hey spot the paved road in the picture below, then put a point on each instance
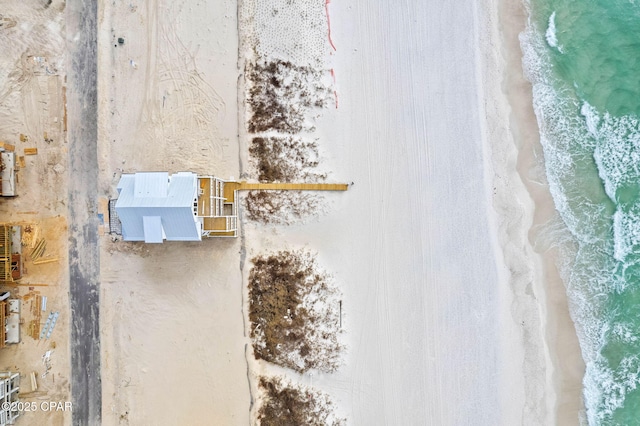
(84, 261)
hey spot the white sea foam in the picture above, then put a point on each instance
(551, 34)
(617, 155)
(624, 332)
(590, 267)
(591, 117)
(610, 387)
(626, 231)
(617, 150)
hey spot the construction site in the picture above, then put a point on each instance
(34, 306)
(34, 272)
(80, 199)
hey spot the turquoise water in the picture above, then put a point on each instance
(583, 58)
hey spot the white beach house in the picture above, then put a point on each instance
(154, 206)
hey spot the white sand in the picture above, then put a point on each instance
(564, 364)
(445, 300)
(427, 301)
(442, 326)
(171, 318)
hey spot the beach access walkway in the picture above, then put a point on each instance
(230, 188)
(239, 186)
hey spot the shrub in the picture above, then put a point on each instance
(285, 159)
(285, 404)
(281, 95)
(282, 207)
(294, 312)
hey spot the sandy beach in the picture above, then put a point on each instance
(429, 310)
(564, 360)
(452, 309)
(445, 297)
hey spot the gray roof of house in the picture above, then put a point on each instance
(152, 206)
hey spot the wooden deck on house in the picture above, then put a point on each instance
(210, 193)
(205, 206)
(216, 204)
(215, 223)
(230, 191)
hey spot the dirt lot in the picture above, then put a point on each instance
(32, 115)
(173, 344)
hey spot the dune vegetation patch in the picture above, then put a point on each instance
(282, 207)
(285, 159)
(285, 404)
(282, 96)
(294, 310)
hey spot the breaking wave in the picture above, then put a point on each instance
(551, 34)
(592, 162)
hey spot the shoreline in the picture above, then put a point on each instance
(514, 331)
(560, 361)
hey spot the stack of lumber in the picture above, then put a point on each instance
(36, 313)
(38, 249)
(36, 304)
(34, 329)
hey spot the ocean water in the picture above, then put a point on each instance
(583, 59)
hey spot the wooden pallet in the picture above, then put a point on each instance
(34, 329)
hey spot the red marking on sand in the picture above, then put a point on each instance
(335, 92)
(326, 8)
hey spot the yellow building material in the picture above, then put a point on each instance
(43, 261)
(288, 186)
(30, 233)
(30, 151)
(34, 384)
(39, 249)
(14, 284)
(6, 146)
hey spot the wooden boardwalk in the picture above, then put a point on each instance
(239, 186)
